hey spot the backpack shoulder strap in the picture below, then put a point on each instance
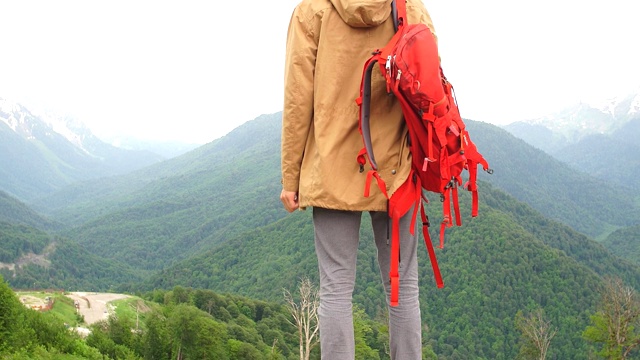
(399, 13)
(394, 15)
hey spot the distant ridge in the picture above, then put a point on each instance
(599, 139)
(40, 156)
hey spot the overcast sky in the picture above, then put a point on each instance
(194, 70)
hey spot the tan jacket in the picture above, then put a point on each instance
(327, 45)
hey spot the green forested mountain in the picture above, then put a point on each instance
(603, 144)
(625, 243)
(166, 212)
(31, 258)
(14, 211)
(235, 162)
(589, 205)
(508, 259)
(610, 157)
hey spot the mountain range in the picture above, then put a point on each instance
(211, 218)
(41, 153)
(598, 139)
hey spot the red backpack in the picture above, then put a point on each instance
(439, 143)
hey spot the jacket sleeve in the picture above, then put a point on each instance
(297, 114)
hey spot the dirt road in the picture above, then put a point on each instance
(94, 306)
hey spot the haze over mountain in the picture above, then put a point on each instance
(14, 211)
(580, 120)
(599, 139)
(40, 154)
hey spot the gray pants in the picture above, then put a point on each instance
(336, 242)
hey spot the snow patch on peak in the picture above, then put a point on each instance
(23, 120)
(60, 126)
(628, 104)
(67, 126)
(607, 106)
(8, 112)
(635, 105)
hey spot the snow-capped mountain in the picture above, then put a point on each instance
(585, 119)
(39, 153)
(623, 108)
(15, 117)
(572, 124)
(599, 138)
(27, 122)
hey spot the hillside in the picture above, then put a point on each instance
(180, 206)
(610, 157)
(13, 210)
(592, 206)
(510, 258)
(31, 258)
(625, 243)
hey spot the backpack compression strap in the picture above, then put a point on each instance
(430, 250)
(408, 197)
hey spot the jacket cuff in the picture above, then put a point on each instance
(290, 184)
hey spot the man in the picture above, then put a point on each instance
(327, 45)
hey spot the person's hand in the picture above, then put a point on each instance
(289, 200)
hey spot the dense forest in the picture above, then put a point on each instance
(186, 323)
(508, 259)
(181, 323)
(36, 259)
(624, 243)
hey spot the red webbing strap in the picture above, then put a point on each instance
(394, 276)
(443, 227)
(395, 214)
(362, 160)
(474, 203)
(471, 185)
(456, 206)
(418, 203)
(446, 216)
(381, 183)
(429, 157)
(401, 6)
(425, 224)
(430, 250)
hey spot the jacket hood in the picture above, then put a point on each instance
(363, 13)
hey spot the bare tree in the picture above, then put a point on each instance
(305, 316)
(536, 334)
(617, 322)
